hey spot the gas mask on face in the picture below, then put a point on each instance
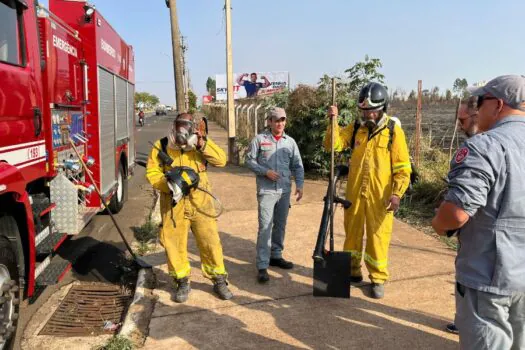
(183, 134)
(372, 123)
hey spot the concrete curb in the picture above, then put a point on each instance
(136, 324)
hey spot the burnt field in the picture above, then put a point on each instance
(437, 122)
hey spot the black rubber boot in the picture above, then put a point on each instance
(220, 287)
(183, 289)
(283, 264)
(262, 276)
(451, 328)
(378, 290)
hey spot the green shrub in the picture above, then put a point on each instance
(117, 343)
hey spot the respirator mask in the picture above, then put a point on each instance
(183, 134)
(372, 123)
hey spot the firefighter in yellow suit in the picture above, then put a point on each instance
(187, 146)
(379, 175)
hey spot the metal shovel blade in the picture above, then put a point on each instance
(332, 275)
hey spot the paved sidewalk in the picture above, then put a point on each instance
(283, 314)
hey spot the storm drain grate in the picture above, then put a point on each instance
(86, 309)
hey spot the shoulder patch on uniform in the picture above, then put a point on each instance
(461, 154)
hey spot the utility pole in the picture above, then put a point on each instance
(184, 48)
(177, 66)
(229, 81)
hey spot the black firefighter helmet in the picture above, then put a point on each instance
(181, 180)
(373, 96)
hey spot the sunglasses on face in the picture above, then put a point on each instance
(483, 98)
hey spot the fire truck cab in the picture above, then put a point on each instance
(66, 78)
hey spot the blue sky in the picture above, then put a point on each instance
(436, 41)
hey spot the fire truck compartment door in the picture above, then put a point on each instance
(131, 124)
(107, 117)
(122, 109)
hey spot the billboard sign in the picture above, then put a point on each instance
(249, 85)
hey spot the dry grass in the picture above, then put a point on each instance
(418, 206)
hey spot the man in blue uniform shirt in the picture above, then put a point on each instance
(252, 86)
(486, 202)
(274, 157)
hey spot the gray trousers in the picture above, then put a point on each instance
(273, 213)
(490, 321)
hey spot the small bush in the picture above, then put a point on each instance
(117, 343)
(147, 232)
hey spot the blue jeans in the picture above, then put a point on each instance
(273, 213)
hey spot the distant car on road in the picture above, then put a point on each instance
(161, 111)
(169, 108)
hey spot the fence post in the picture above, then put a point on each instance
(237, 108)
(418, 123)
(244, 110)
(256, 119)
(455, 130)
(248, 120)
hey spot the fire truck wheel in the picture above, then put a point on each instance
(9, 288)
(117, 201)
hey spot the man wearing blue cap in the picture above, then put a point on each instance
(486, 203)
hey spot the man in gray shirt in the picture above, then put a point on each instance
(274, 157)
(486, 202)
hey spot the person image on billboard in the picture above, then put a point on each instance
(252, 86)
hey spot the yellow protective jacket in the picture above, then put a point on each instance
(196, 159)
(374, 170)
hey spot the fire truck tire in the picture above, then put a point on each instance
(117, 201)
(9, 288)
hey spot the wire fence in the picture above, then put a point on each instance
(438, 122)
(250, 116)
(438, 118)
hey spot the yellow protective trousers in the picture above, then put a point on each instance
(188, 213)
(379, 168)
(174, 238)
(365, 214)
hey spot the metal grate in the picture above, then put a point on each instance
(86, 308)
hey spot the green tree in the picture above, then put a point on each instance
(363, 72)
(192, 101)
(153, 100)
(146, 99)
(448, 95)
(460, 87)
(211, 86)
(412, 96)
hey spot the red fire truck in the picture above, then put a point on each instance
(65, 74)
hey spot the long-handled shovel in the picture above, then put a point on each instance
(331, 268)
(141, 263)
